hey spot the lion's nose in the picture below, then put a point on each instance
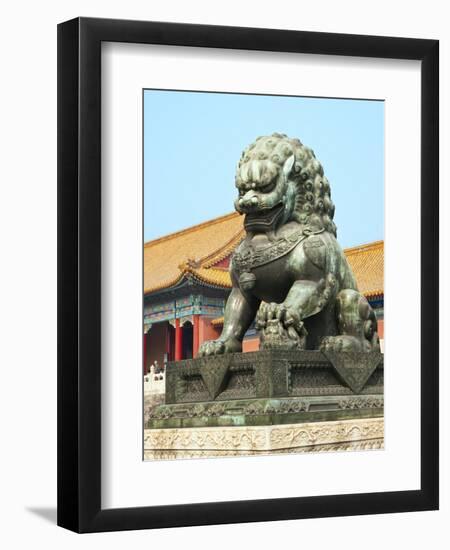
(248, 201)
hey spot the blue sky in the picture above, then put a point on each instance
(193, 141)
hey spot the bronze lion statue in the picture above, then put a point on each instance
(289, 273)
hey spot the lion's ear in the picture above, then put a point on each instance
(288, 165)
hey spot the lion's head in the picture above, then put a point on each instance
(280, 180)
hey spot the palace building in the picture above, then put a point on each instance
(186, 284)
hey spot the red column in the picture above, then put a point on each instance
(168, 343)
(178, 340)
(196, 337)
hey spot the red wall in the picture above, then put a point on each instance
(250, 344)
(209, 332)
(206, 330)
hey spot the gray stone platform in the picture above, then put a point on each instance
(270, 387)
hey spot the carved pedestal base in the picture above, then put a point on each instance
(265, 412)
(344, 435)
(268, 402)
(273, 374)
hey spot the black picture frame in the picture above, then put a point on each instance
(79, 274)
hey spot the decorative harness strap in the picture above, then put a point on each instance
(249, 259)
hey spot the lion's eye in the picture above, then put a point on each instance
(268, 188)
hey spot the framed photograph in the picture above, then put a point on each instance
(247, 276)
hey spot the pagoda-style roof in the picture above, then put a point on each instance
(367, 263)
(201, 252)
(193, 251)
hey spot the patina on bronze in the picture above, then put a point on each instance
(289, 273)
(320, 357)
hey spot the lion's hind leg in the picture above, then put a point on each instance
(357, 324)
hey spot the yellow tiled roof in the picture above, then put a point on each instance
(192, 250)
(196, 250)
(367, 263)
(218, 322)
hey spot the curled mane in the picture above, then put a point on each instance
(313, 205)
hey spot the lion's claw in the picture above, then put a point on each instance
(211, 347)
(286, 316)
(219, 347)
(344, 343)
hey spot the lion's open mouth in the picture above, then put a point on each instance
(263, 220)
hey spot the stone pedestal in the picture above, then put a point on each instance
(344, 435)
(270, 387)
(272, 401)
(265, 412)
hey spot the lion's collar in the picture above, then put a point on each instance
(247, 258)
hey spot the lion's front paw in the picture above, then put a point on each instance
(211, 347)
(344, 343)
(218, 347)
(286, 316)
(280, 327)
